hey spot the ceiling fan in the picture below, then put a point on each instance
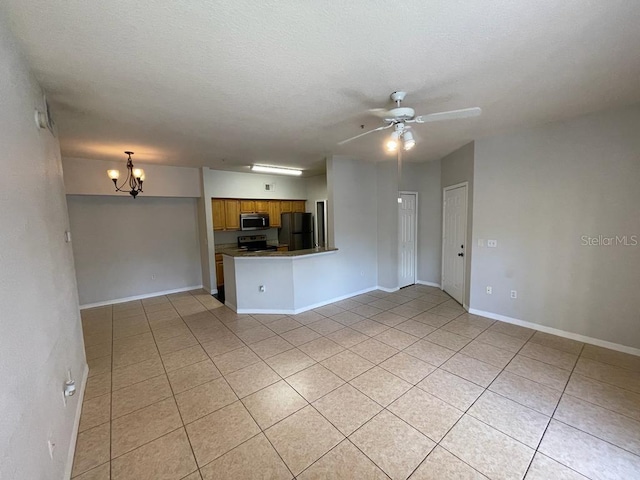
(399, 117)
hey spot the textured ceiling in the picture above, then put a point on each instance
(228, 83)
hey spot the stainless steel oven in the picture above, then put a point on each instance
(254, 221)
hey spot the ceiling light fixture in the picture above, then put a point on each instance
(276, 170)
(400, 134)
(409, 141)
(392, 143)
(135, 177)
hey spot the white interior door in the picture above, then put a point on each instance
(407, 223)
(454, 236)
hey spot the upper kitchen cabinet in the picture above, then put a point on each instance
(217, 209)
(274, 213)
(232, 214)
(226, 211)
(247, 206)
(261, 206)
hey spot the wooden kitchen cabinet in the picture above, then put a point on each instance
(217, 209)
(219, 270)
(232, 214)
(283, 248)
(261, 206)
(247, 206)
(286, 206)
(226, 211)
(274, 214)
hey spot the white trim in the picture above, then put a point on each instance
(76, 424)
(429, 284)
(388, 290)
(415, 239)
(465, 306)
(303, 309)
(555, 331)
(466, 221)
(213, 291)
(139, 297)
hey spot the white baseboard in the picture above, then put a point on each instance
(429, 284)
(302, 309)
(76, 424)
(388, 290)
(139, 297)
(465, 306)
(555, 331)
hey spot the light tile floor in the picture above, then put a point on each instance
(401, 385)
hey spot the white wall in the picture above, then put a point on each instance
(387, 212)
(89, 177)
(424, 178)
(225, 184)
(353, 227)
(538, 191)
(125, 247)
(457, 167)
(316, 190)
(40, 332)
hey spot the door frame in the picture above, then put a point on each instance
(466, 218)
(415, 240)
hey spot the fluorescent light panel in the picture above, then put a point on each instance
(277, 170)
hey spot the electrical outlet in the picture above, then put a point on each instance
(514, 294)
(153, 276)
(492, 243)
(489, 290)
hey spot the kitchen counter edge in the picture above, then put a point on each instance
(272, 254)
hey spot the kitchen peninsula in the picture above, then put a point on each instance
(276, 281)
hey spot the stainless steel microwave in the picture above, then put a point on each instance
(254, 221)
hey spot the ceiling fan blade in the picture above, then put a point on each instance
(450, 115)
(379, 112)
(365, 133)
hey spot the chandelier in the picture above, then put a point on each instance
(135, 177)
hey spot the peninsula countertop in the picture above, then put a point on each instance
(241, 253)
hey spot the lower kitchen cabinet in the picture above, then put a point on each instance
(219, 270)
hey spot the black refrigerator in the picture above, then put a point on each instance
(296, 230)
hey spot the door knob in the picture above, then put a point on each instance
(461, 254)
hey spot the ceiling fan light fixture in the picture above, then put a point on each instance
(277, 170)
(409, 141)
(392, 144)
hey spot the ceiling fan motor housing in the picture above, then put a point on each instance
(400, 113)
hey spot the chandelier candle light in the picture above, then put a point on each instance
(135, 177)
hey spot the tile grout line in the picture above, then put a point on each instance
(550, 420)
